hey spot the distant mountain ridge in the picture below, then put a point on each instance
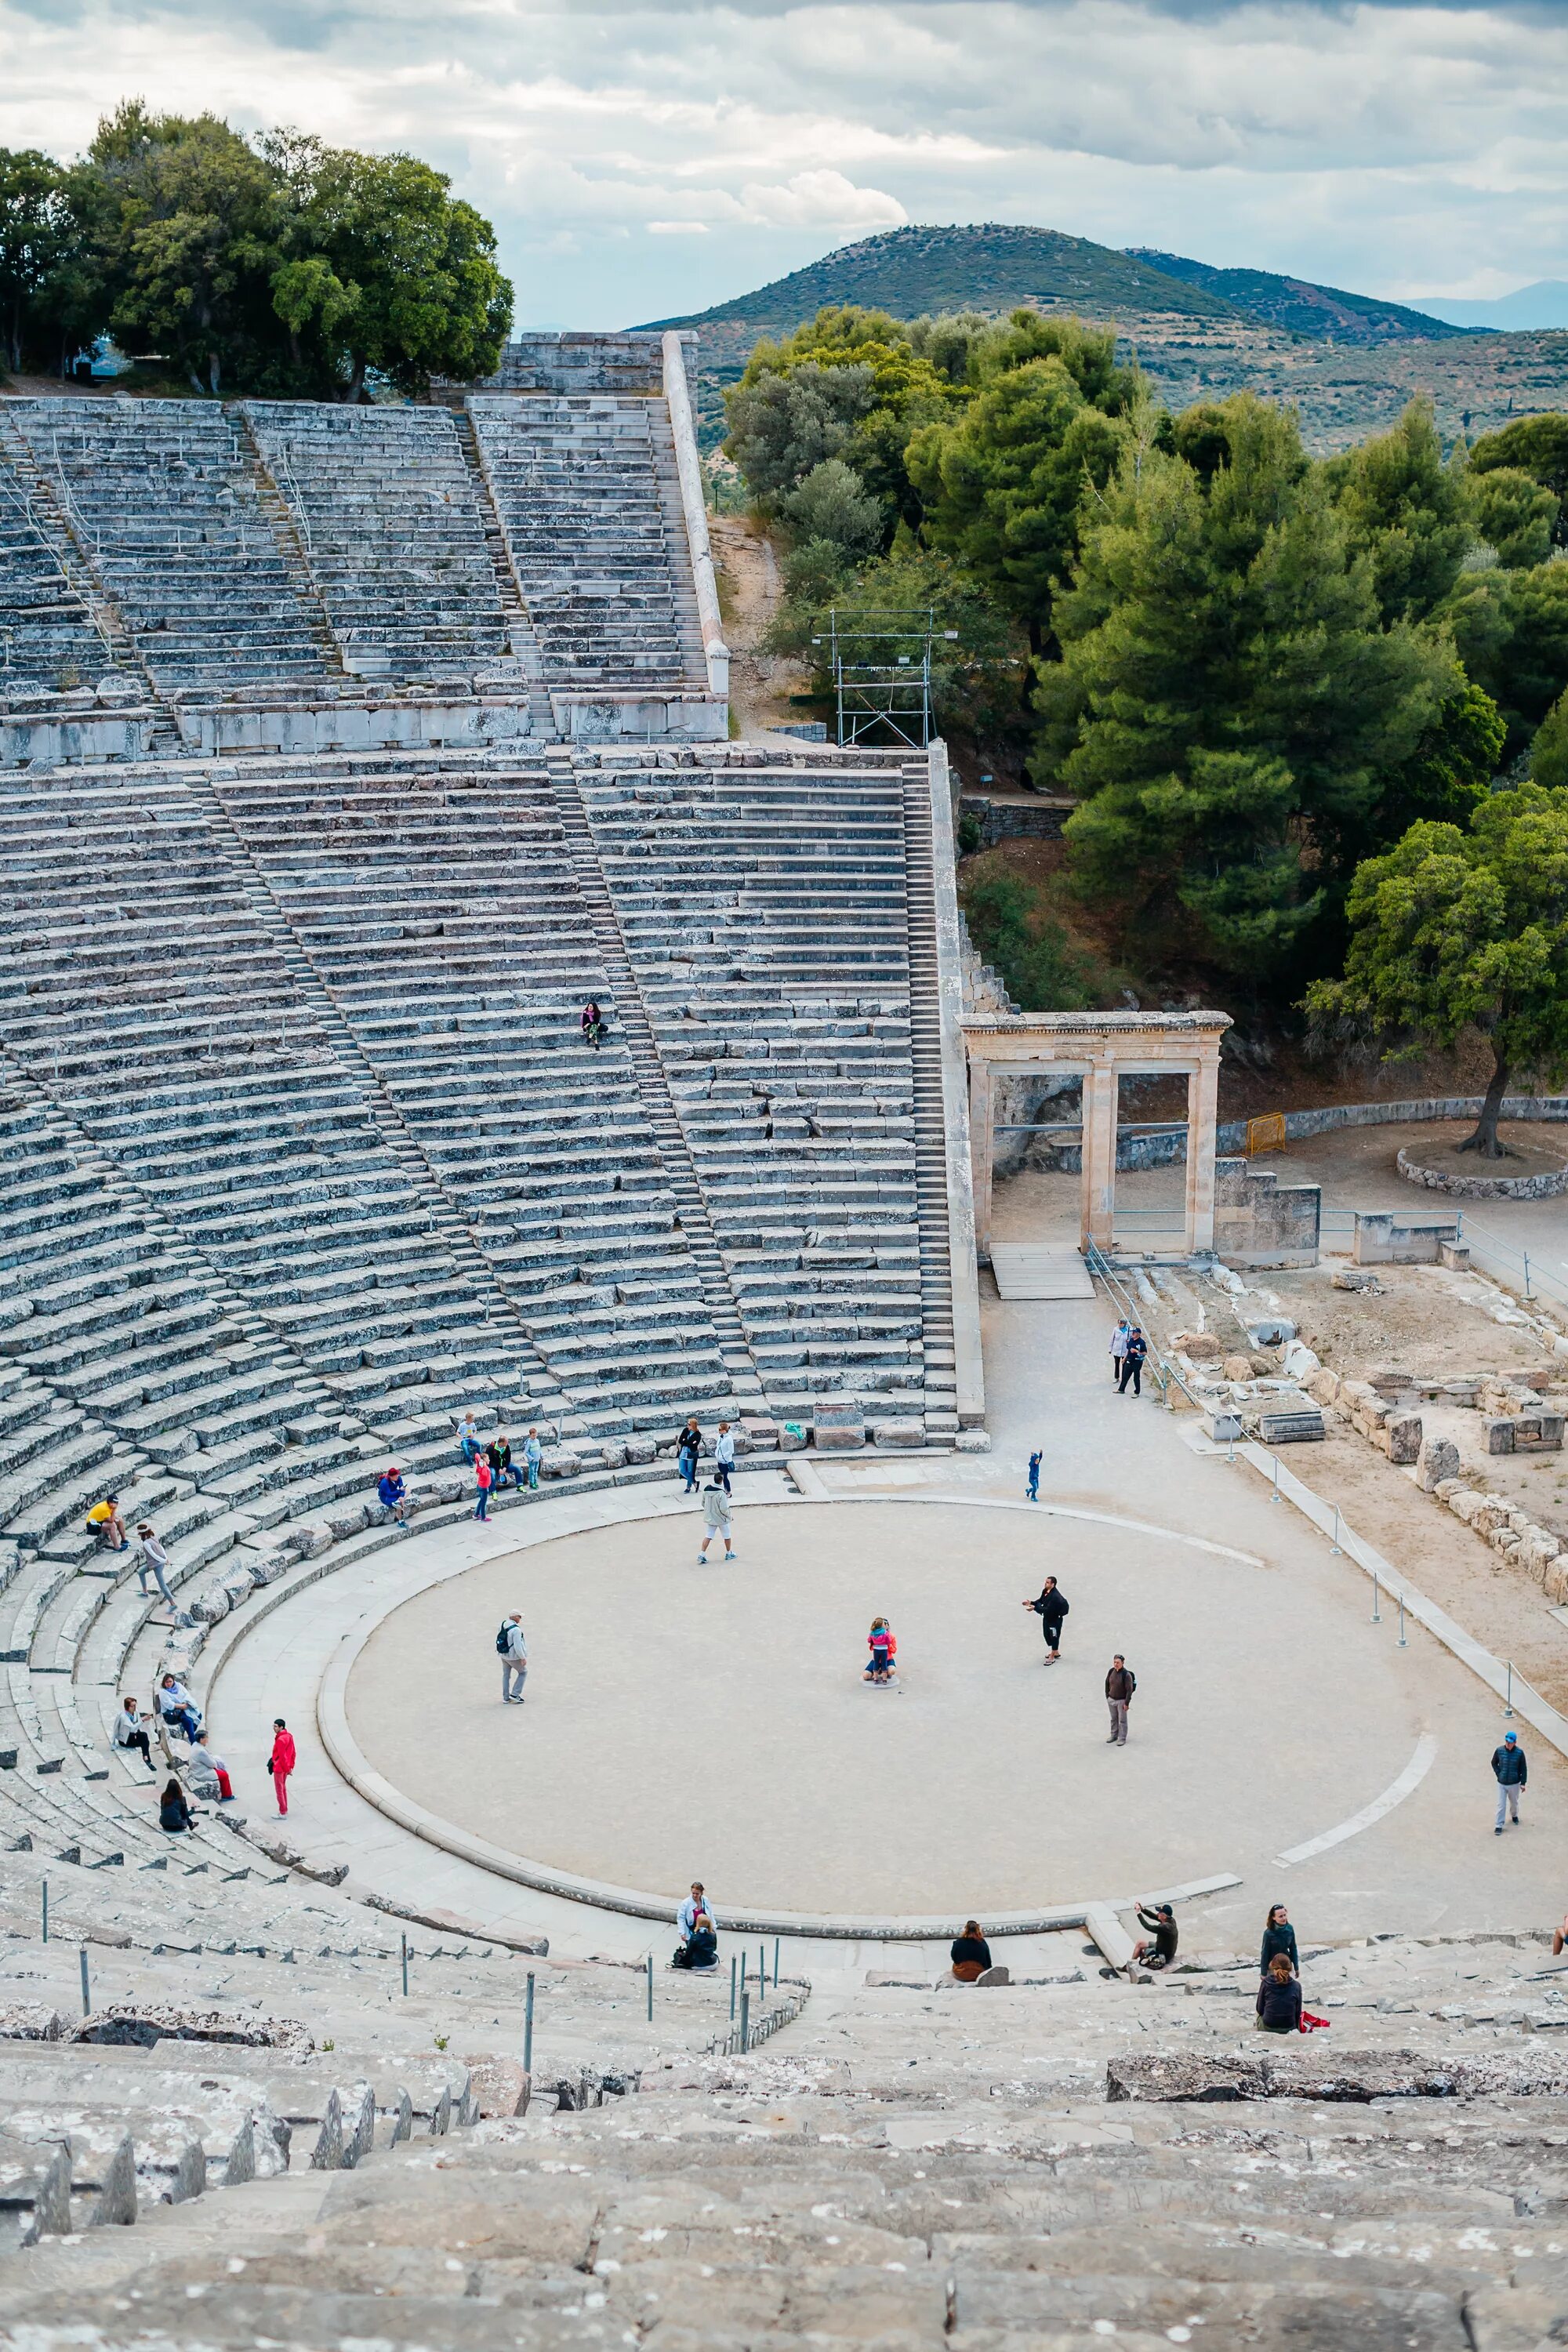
(1528, 309)
(991, 266)
(1298, 306)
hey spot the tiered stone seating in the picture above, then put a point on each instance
(387, 515)
(579, 484)
(166, 504)
(46, 633)
(909, 2170)
(464, 991)
(170, 1022)
(765, 914)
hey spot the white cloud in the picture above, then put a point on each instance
(641, 158)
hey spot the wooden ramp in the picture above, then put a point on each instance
(1022, 1271)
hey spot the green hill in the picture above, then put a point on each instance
(991, 267)
(1297, 307)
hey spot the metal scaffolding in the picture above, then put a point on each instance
(880, 658)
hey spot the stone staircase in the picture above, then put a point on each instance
(930, 1114)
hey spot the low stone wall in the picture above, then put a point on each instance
(1300, 1124)
(672, 717)
(468, 724)
(1258, 1221)
(1381, 1240)
(1000, 820)
(73, 738)
(1541, 1187)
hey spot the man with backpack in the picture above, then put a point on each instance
(512, 1652)
(1119, 1685)
(1137, 1347)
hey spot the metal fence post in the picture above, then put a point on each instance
(86, 1994)
(405, 1942)
(731, 1987)
(1335, 1545)
(45, 1910)
(1508, 1704)
(1402, 1640)
(1377, 1612)
(528, 2028)
(776, 1964)
(745, 2022)
(1527, 1274)
(650, 1988)
(1273, 1498)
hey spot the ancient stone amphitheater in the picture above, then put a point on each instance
(345, 754)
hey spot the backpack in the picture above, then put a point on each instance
(503, 1642)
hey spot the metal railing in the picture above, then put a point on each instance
(1514, 1265)
(750, 2033)
(1157, 1364)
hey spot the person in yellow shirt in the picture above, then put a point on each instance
(106, 1523)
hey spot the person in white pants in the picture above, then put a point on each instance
(514, 1663)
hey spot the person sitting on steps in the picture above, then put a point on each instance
(970, 1954)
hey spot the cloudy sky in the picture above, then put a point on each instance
(641, 157)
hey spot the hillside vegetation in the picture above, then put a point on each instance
(1260, 675)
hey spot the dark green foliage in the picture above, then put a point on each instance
(971, 839)
(786, 422)
(1514, 515)
(1406, 512)
(1003, 485)
(39, 249)
(282, 265)
(832, 504)
(1511, 632)
(1454, 929)
(866, 391)
(1228, 702)
(1537, 446)
(1040, 968)
(1549, 752)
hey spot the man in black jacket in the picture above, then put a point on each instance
(1510, 1773)
(498, 1454)
(1119, 1685)
(1050, 1608)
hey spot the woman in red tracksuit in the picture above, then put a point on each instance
(281, 1762)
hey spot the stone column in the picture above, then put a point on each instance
(1099, 1105)
(982, 1148)
(1203, 1108)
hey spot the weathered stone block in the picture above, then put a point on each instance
(1499, 1434)
(1402, 1433)
(840, 1425)
(1437, 1460)
(972, 1441)
(559, 1462)
(892, 1434)
(497, 2086)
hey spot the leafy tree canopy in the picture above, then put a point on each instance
(1406, 512)
(865, 421)
(1452, 930)
(278, 266)
(1514, 515)
(1511, 632)
(1228, 702)
(1537, 446)
(1003, 485)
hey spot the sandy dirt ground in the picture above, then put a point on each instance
(751, 589)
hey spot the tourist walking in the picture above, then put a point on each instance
(1510, 1773)
(176, 1705)
(498, 1454)
(1279, 1999)
(468, 1440)
(687, 1446)
(280, 1763)
(152, 1560)
(1132, 1357)
(532, 1455)
(393, 1494)
(485, 1478)
(1158, 1949)
(1278, 1936)
(514, 1652)
(724, 1454)
(716, 1519)
(1050, 1608)
(1119, 1685)
(1119, 1350)
(130, 1731)
(1032, 1491)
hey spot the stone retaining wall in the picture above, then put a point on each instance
(1484, 1188)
